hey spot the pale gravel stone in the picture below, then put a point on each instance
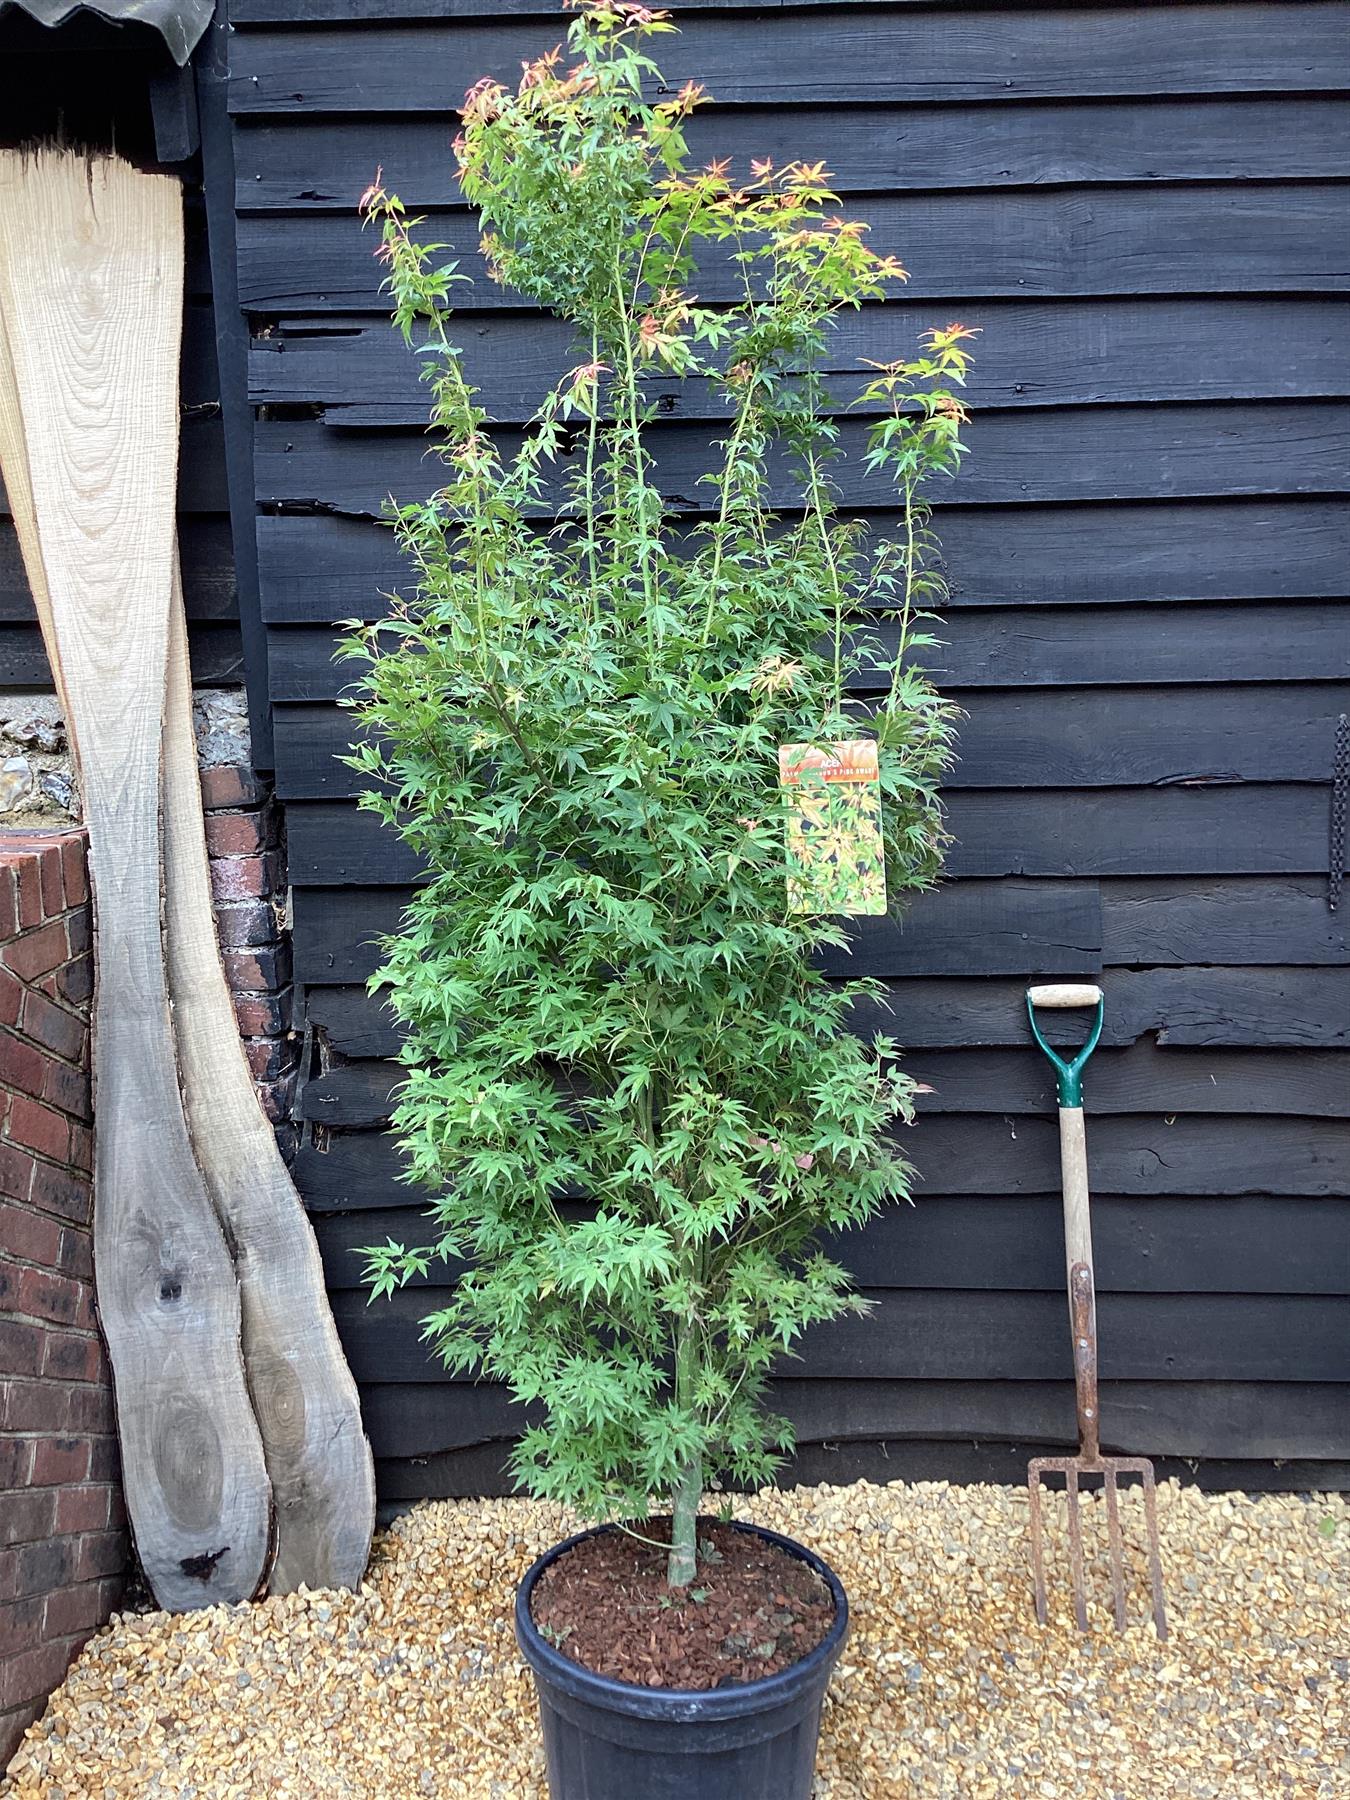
(947, 1689)
(16, 782)
(220, 720)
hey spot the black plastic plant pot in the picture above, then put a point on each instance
(612, 1740)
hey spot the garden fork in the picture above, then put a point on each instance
(1083, 1323)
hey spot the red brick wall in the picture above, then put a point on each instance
(63, 1541)
(248, 879)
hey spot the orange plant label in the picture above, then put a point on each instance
(836, 860)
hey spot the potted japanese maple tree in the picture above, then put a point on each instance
(652, 755)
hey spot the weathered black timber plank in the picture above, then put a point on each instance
(326, 12)
(1060, 646)
(1156, 1245)
(1251, 830)
(1192, 1419)
(1071, 453)
(482, 1470)
(1173, 1418)
(1142, 1078)
(1006, 927)
(1232, 922)
(201, 465)
(319, 569)
(214, 649)
(1138, 1079)
(1196, 239)
(1073, 353)
(1299, 1009)
(208, 572)
(316, 163)
(1102, 737)
(1134, 1155)
(972, 1155)
(1302, 1009)
(975, 1335)
(211, 72)
(865, 55)
(1139, 831)
(964, 928)
(994, 648)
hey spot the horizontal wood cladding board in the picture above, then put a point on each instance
(1070, 453)
(482, 1470)
(1155, 1245)
(317, 163)
(1066, 353)
(201, 466)
(976, 1335)
(1205, 238)
(1005, 927)
(1251, 830)
(867, 54)
(327, 12)
(1237, 922)
(993, 648)
(1032, 738)
(215, 650)
(1176, 1418)
(208, 572)
(321, 568)
(1141, 1078)
(974, 927)
(1169, 1154)
(1303, 1009)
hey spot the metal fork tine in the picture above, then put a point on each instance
(1117, 1551)
(1037, 1550)
(1076, 1549)
(1154, 1553)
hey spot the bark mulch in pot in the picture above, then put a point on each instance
(751, 1610)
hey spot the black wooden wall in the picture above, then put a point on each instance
(1144, 210)
(90, 83)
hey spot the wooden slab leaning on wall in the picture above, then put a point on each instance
(91, 261)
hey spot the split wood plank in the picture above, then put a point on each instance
(304, 1398)
(91, 275)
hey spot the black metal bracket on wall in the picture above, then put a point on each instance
(211, 64)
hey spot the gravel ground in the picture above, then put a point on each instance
(946, 1687)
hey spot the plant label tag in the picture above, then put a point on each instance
(836, 861)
